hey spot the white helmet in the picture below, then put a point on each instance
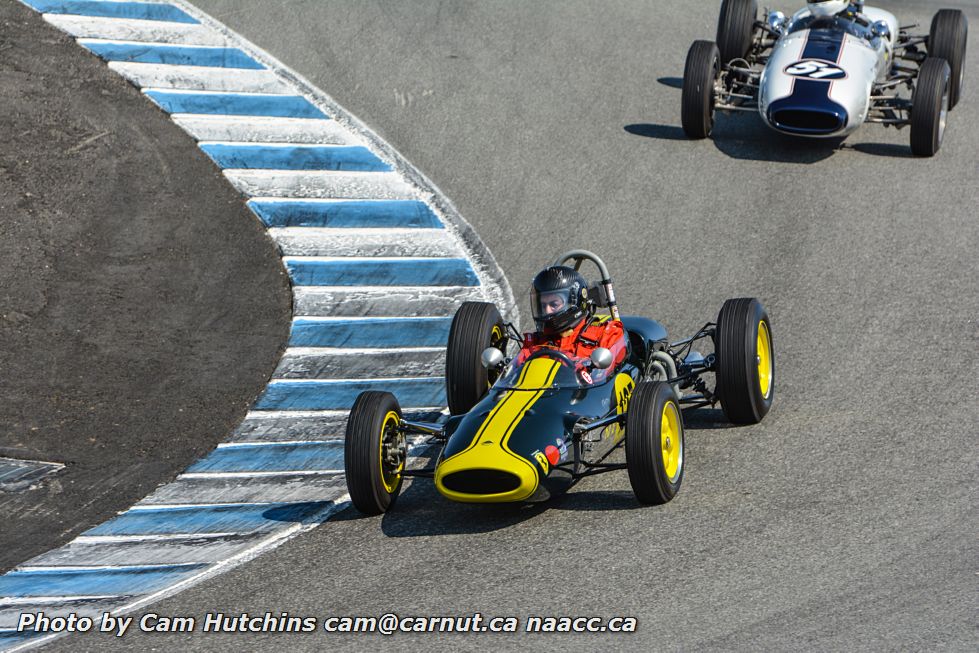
(823, 8)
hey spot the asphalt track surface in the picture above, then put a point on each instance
(845, 521)
(142, 306)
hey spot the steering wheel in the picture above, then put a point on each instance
(553, 353)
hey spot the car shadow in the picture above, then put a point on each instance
(703, 419)
(661, 132)
(422, 512)
(891, 150)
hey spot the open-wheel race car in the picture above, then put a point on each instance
(529, 426)
(827, 70)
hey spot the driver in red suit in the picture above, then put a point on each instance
(565, 320)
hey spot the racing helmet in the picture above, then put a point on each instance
(826, 8)
(558, 299)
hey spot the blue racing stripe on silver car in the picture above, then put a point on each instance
(177, 55)
(69, 582)
(340, 395)
(291, 157)
(102, 9)
(236, 104)
(381, 272)
(378, 332)
(286, 457)
(247, 518)
(375, 214)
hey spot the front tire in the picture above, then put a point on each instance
(700, 73)
(736, 28)
(745, 361)
(375, 452)
(929, 107)
(947, 40)
(654, 443)
(476, 326)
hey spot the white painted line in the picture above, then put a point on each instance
(322, 183)
(232, 445)
(115, 41)
(199, 78)
(263, 129)
(39, 568)
(342, 242)
(122, 539)
(361, 259)
(124, 29)
(313, 472)
(346, 381)
(44, 600)
(338, 351)
(327, 319)
(182, 506)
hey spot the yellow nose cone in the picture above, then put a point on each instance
(486, 473)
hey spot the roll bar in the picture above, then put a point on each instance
(581, 255)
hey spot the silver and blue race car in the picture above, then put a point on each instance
(822, 74)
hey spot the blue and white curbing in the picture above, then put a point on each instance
(379, 259)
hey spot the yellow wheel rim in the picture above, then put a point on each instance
(390, 479)
(764, 359)
(495, 337)
(671, 440)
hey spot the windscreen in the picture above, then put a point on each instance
(548, 369)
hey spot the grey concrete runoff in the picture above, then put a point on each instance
(845, 521)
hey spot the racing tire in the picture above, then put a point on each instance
(929, 107)
(736, 28)
(947, 40)
(745, 361)
(701, 71)
(654, 443)
(375, 452)
(476, 326)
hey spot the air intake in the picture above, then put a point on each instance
(481, 481)
(807, 122)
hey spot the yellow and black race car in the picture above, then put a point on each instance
(527, 427)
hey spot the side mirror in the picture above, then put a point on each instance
(776, 22)
(492, 358)
(601, 358)
(881, 29)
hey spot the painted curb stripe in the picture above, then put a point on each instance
(262, 129)
(235, 104)
(114, 29)
(312, 364)
(379, 332)
(339, 395)
(346, 214)
(92, 581)
(196, 78)
(393, 272)
(209, 519)
(273, 457)
(181, 55)
(392, 300)
(286, 157)
(135, 10)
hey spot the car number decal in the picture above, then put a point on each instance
(815, 69)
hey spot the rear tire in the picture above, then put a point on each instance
(375, 452)
(947, 40)
(736, 28)
(476, 326)
(745, 361)
(929, 107)
(654, 443)
(701, 71)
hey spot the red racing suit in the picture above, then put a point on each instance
(582, 341)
